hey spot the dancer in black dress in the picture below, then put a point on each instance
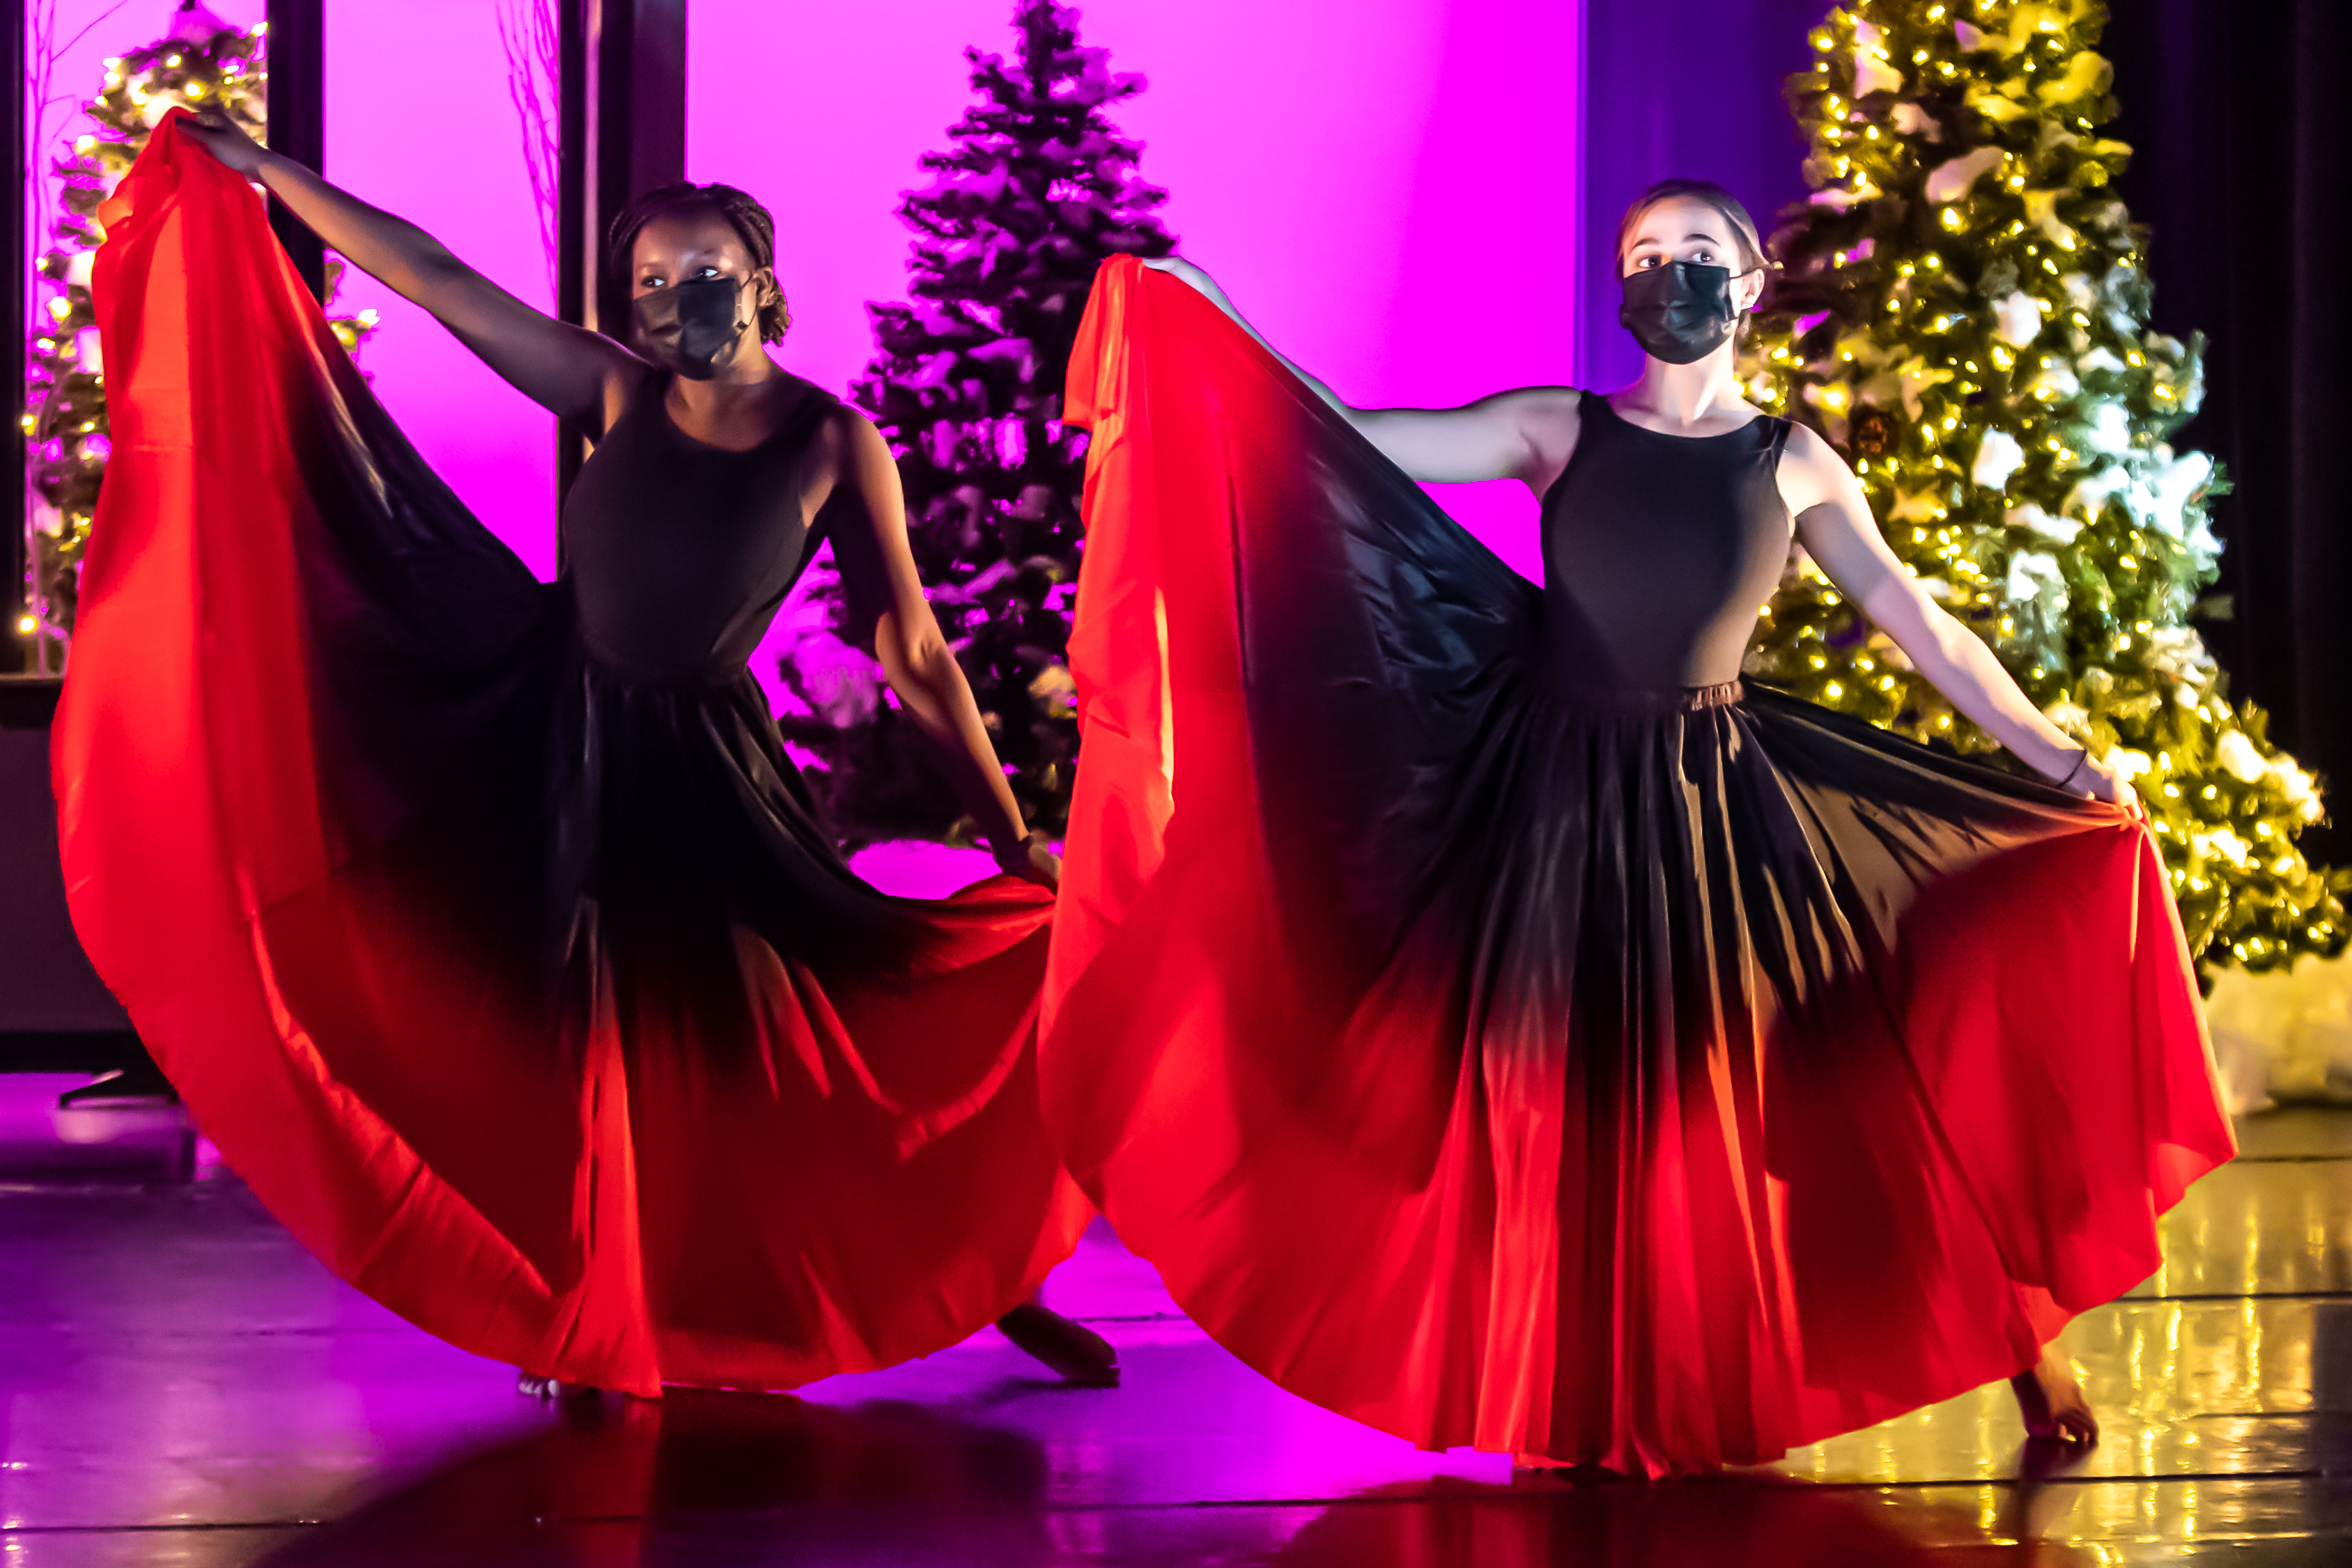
(484, 924)
(1502, 1023)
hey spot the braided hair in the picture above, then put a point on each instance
(744, 213)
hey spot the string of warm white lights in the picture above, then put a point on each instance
(1963, 308)
(201, 65)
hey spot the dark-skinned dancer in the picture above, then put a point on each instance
(483, 924)
(1502, 1023)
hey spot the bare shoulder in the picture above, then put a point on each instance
(854, 467)
(1805, 445)
(1812, 471)
(626, 378)
(1549, 419)
(1547, 408)
(845, 425)
(1809, 452)
(845, 436)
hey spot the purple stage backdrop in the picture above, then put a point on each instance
(1386, 187)
(1399, 193)
(420, 122)
(1680, 88)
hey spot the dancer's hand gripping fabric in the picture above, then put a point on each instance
(217, 134)
(1031, 859)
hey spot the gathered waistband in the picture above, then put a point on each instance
(716, 673)
(1646, 699)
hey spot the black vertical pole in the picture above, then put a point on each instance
(622, 119)
(640, 122)
(296, 59)
(12, 346)
(571, 208)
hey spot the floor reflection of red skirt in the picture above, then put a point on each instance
(535, 1001)
(1755, 1523)
(1653, 1082)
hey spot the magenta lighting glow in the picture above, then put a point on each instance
(1386, 187)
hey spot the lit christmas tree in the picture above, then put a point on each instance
(1963, 309)
(1037, 190)
(202, 63)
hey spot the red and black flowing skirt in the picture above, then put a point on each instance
(532, 998)
(1652, 1080)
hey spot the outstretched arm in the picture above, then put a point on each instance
(1525, 435)
(1834, 524)
(865, 518)
(574, 372)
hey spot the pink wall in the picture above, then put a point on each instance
(419, 122)
(1386, 187)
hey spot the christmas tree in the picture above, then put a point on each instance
(1036, 192)
(1963, 309)
(202, 63)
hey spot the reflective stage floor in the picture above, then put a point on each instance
(181, 1385)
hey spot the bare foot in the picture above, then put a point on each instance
(2051, 1402)
(553, 1388)
(1078, 1353)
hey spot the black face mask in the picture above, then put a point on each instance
(692, 326)
(1680, 311)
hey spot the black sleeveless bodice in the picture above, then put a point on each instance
(679, 553)
(1659, 551)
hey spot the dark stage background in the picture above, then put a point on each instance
(2244, 147)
